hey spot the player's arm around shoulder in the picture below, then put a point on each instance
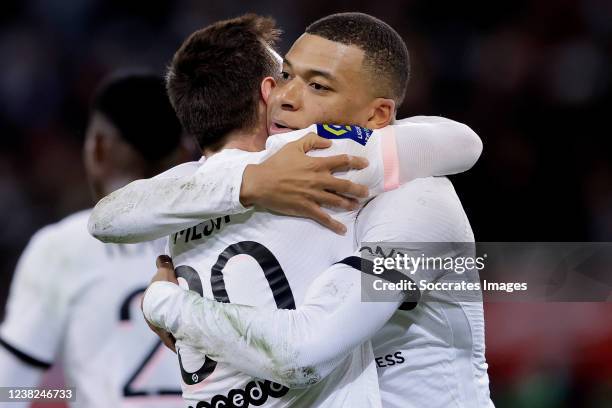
(434, 146)
(411, 148)
(288, 182)
(148, 209)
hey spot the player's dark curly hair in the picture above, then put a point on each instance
(386, 54)
(214, 79)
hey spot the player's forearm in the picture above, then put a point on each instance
(149, 209)
(433, 146)
(228, 333)
(295, 348)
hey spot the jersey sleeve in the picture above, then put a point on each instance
(296, 348)
(189, 194)
(36, 311)
(300, 347)
(177, 199)
(426, 146)
(417, 147)
(17, 371)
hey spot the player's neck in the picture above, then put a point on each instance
(249, 140)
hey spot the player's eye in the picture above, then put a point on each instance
(285, 76)
(318, 87)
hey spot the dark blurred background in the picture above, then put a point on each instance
(531, 77)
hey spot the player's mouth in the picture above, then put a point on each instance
(279, 127)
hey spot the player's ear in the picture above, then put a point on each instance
(267, 85)
(382, 113)
(95, 150)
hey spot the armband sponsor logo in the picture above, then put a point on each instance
(358, 134)
(255, 393)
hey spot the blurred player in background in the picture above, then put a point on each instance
(74, 300)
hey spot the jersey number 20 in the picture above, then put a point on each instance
(272, 271)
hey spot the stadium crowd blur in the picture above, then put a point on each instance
(531, 77)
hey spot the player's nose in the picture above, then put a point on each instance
(290, 96)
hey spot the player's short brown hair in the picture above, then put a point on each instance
(214, 79)
(386, 54)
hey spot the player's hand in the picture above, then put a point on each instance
(165, 272)
(293, 183)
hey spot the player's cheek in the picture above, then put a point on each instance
(322, 110)
(332, 114)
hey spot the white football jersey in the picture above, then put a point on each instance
(429, 355)
(261, 259)
(76, 301)
(434, 354)
(246, 259)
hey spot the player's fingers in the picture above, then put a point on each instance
(165, 338)
(344, 162)
(172, 341)
(165, 266)
(169, 341)
(347, 187)
(313, 141)
(164, 261)
(316, 213)
(333, 200)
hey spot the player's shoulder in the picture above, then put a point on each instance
(437, 203)
(51, 252)
(71, 229)
(274, 142)
(422, 119)
(74, 222)
(183, 169)
(432, 195)
(426, 208)
(55, 244)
